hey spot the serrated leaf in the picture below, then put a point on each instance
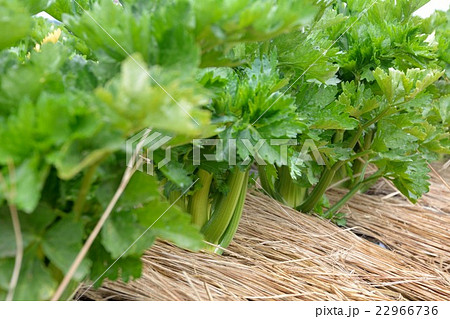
(36, 6)
(60, 7)
(177, 174)
(400, 86)
(138, 98)
(15, 19)
(29, 181)
(128, 267)
(170, 223)
(32, 227)
(62, 243)
(32, 271)
(410, 176)
(141, 189)
(122, 234)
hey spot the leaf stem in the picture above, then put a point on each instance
(325, 180)
(76, 263)
(218, 223)
(319, 190)
(358, 165)
(199, 202)
(128, 174)
(234, 223)
(336, 207)
(86, 184)
(328, 174)
(19, 252)
(17, 232)
(291, 193)
(177, 197)
(264, 181)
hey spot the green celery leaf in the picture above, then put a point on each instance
(61, 244)
(14, 18)
(32, 227)
(136, 101)
(121, 231)
(177, 174)
(36, 6)
(77, 154)
(141, 189)
(29, 180)
(32, 271)
(126, 268)
(410, 174)
(170, 223)
(399, 86)
(60, 7)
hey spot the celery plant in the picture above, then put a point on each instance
(366, 87)
(242, 95)
(72, 93)
(381, 108)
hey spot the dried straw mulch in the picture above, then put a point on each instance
(420, 232)
(280, 254)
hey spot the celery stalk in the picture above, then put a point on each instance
(199, 203)
(221, 217)
(291, 193)
(234, 223)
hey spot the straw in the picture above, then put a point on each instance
(281, 254)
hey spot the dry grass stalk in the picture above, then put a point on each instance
(420, 232)
(279, 254)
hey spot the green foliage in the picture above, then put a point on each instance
(185, 33)
(386, 106)
(256, 109)
(345, 86)
(60, 7)
(36, 6)
(10, 13)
